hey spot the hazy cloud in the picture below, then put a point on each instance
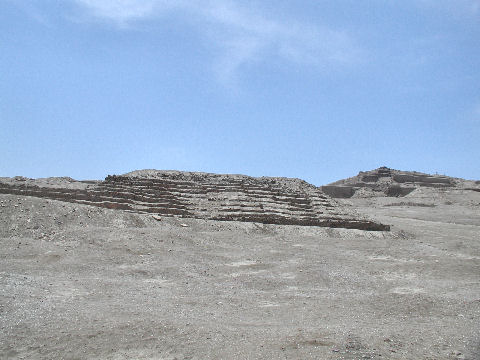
(241, 35)
(124, 11)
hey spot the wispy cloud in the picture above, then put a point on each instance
(240, 35)
(32, 10)
(122, 11)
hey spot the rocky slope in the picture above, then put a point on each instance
(264, 200)
(389, 182)
(87, 282)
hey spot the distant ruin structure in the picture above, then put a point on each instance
(264, 200)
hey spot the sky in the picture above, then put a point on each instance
(317, 90)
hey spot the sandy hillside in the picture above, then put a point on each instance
(85, 282)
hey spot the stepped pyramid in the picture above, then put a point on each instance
(390, 182)
(267, 200)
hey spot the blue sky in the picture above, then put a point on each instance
(312, 89)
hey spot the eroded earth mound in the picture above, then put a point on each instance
(266, 200)
(97, 282)
(389, 182)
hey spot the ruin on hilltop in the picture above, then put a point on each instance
(266, 200)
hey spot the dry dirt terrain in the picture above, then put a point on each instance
(85, 282)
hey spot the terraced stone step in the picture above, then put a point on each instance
(207, 196)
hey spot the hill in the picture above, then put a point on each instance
(389, 182)
(264, 200)
(87, 271)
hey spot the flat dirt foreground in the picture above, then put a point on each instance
(79, 282)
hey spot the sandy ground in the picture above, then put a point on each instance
(79, 282)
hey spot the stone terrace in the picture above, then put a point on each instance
(206, 196)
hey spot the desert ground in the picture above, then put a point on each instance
(83, 282)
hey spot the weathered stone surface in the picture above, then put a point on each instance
(265, 200)
(84, 282)
(339, 191)
(389, 182)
